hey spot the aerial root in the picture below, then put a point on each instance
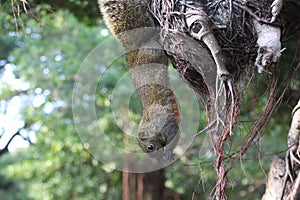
(232, 110)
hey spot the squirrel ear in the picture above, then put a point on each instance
(142, 136)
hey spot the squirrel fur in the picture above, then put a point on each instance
(158, 131)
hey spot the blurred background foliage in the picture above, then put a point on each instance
(38, 66)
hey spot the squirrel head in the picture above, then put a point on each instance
(158, 133)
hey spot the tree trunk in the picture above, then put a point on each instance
(283, 178)
(148, 186)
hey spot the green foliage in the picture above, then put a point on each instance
(58, 165)
(85, 11)
(7, 43)
(18, 13)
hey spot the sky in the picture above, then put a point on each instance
(10, 119)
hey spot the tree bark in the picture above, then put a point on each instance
(148, 186)
(283, 178)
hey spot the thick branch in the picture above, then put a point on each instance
(282, 183)
(275, 181)
(295, 193)
(293, 142)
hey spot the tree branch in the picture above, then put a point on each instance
(5, 149)
(282, 183)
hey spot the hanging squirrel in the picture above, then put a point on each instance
(158, 131)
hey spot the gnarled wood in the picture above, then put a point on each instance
(283, 178)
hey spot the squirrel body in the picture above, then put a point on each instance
(158, 131)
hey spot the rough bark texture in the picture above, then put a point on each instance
(239, 36)
(212, 45)
(283, 178)
(148, 186)
(275, 181)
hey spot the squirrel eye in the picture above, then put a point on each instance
(150, 147)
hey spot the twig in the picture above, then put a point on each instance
(230, 86)
(205, 129)
(14, 15)
(251, 13)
